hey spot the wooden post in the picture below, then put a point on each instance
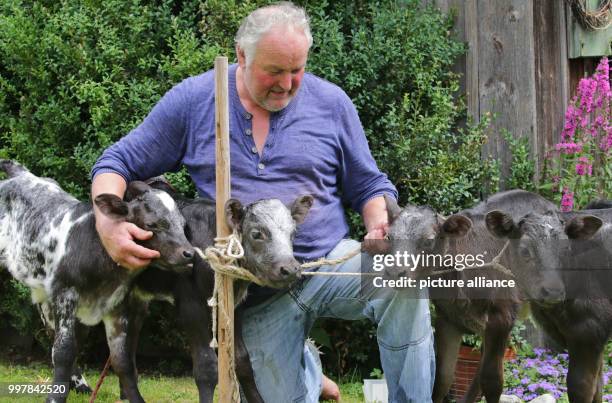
(225, 334)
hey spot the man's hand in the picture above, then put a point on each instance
(375, 242)
(376, 221)
(118, 239)
(118, 236)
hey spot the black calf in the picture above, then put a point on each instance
(267, 227)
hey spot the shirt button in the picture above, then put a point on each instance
(261, 166)
(248, 116)
(254, 150)
(248, 132)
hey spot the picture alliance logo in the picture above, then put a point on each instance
(404, 260)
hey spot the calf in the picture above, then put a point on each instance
(48, 242)
(267, 228)
(580, 322)
(487, 312)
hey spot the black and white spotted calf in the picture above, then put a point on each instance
(48, 242)
(267, 228)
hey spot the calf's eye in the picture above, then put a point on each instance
(257, 235)
(525, 252)
(150, 226)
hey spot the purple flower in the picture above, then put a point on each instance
(548, 370)
(539, 351)
(533, 387)
(529, 396)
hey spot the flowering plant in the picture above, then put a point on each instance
(529, 376)
(581, 160)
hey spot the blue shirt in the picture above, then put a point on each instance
(316, 145)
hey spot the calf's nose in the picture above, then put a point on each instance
(188, 254)
(552, 294)
(289, 270)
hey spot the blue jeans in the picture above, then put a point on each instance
(274, 334)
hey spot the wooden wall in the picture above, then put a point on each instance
(516, 68)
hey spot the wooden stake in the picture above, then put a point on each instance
(225, 334)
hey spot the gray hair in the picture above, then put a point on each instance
(260, 21)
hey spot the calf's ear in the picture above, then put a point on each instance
(161, 183)
(135, 189)
(456, 226)
(501, 225)
(233, 214)
(393, 209)
(111, 205)
(300, 208)
(583, 227)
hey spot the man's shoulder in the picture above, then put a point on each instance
(195, 84)
(324, 90)
(192, 93)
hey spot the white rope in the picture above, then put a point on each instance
(493, 264)
(221, 258)
(329, 262)
(227, 251)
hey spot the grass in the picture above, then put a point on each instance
(154, 388)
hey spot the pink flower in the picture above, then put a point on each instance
(586, 90)
(583, 167)
(567, 201)
(602, 76)
(606, 142)
(571, 121)
(569, 148)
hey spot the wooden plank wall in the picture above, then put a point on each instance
(552, 72)
(516, 68)
(506, 79)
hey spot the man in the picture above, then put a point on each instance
(290, 133)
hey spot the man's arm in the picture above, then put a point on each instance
(376, 221)
(118, 236)
(375, 218)
(154, 147)
(362, 182)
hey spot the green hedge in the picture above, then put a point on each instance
(77, 75)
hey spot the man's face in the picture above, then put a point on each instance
(274, 75)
